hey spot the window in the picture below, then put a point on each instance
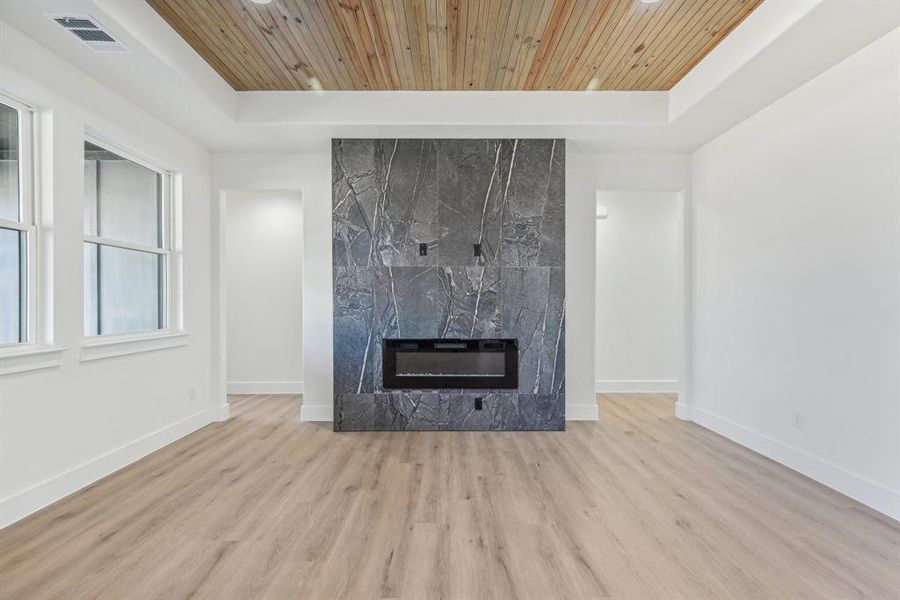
(127, 243)
(17, 225)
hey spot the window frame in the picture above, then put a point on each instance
(169, 317)
(29, 337)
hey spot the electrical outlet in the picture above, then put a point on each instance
(797, 420)
(192, 393)
(479, 403)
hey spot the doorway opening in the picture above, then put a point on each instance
(260, 293)
(640, 293)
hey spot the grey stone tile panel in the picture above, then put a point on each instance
(534, 412)
(533, 309)
(410, 411)
(354, 412)
(534, 210)
(472, 184)
(407, 213)
(355, 192)
(355, 334)
(471, 302)
(464, 417)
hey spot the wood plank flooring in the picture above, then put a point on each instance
(640, 505)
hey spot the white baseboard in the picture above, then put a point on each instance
(582, 412)
(636, 386)
(224, 412)
(317, 412)
(23, 503)
(265, 387)
(682, 411)
(870, 493)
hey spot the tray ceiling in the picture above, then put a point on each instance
(453, 44)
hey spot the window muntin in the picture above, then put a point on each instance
(17, 229)
(126, 243)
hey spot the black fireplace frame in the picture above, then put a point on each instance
(392, 381)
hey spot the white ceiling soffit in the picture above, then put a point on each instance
(780, 46)
(162, 74)
(447, 108)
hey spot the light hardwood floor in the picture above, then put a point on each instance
(640, 505)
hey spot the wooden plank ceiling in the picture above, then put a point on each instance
(453, 44)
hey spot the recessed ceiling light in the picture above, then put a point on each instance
(644, 1)
(268, 1)
(593, 85)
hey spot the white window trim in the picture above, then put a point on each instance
(108, 346)
(173, 335)
(38, 350)
(22, 358)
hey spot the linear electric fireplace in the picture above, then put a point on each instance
(450, 364)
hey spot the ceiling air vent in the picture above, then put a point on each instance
(90, 32)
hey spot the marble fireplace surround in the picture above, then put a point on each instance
(389, 196)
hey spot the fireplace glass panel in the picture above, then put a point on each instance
(450, 364)
(460, 364)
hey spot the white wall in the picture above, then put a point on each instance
(65, 427)
(638, 319)
(264, 299)
(797, 279)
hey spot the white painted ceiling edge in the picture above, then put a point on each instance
(780, 46)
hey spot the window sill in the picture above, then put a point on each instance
(20, 359)
(101, 347)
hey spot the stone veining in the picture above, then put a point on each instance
(392, 197)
